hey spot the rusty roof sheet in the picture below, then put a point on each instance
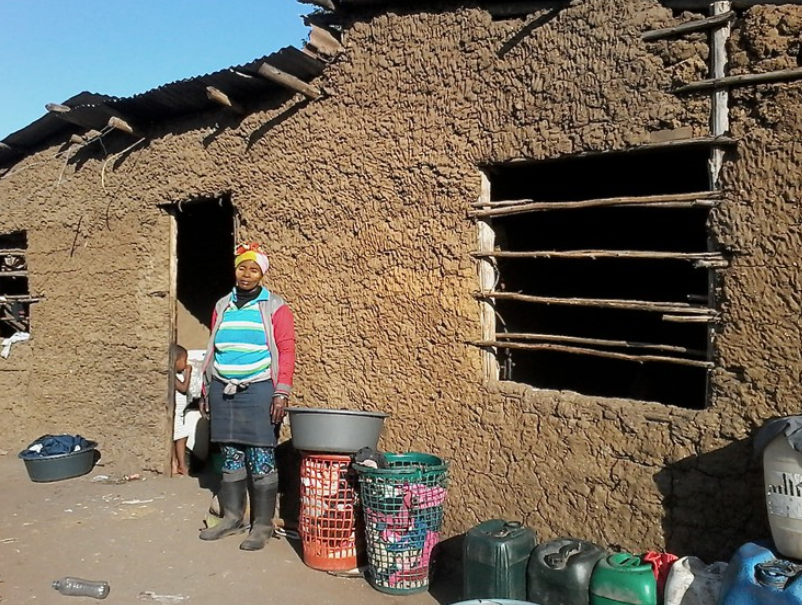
(91, 110)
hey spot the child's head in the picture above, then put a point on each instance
(179, 355)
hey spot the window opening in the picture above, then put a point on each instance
(15, 297)
(600, 274)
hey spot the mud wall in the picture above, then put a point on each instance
(361, 199)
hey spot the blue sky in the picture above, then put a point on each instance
(51, 50)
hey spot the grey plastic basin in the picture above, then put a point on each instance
(335, 431)
(61, 466)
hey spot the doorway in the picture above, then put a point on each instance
(205, 232)
(203, 235)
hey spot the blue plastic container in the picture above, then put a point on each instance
(758, 575)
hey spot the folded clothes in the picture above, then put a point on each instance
(54, 445)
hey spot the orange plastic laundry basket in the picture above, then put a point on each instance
(331, 521)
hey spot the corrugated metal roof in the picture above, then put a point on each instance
(90, 110)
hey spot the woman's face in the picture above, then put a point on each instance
(248, 275)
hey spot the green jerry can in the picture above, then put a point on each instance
(623, 579)
(495, 556)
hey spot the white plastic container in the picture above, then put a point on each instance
(782, 477)
(691, 582)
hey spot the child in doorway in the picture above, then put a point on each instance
(183, 374)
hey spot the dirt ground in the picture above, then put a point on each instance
(142, 537)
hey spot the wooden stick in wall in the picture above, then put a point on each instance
(689, 27)
(720, 113)
(487, 281)
(602, 342)
(769, 77)
(606, 303)
(703, 5)
(593, 352)
(678, 200)
(593, 254)
(689, 319)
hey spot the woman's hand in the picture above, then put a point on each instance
(277, 409)
(203, 406)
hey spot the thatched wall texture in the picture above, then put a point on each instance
(361, 200)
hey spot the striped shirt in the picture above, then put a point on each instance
(240, 345)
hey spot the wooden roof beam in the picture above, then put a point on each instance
(218, 96)
(323, 42)
(68, 114)
(120, 124)
(274, 74)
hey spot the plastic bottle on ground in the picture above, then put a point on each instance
(77, 587)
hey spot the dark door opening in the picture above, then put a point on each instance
(205, 232)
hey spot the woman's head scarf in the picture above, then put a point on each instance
(251, 252)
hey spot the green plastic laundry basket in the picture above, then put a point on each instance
(403, 508)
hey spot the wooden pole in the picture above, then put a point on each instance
(769, 77)
(19, 298)
(57, 108)
(11, 252)
(679, 200)
(218, 96)
(689, 319)
(607, 303)
(689, 27)
(624, 344)
(595, 353)
(593, 254)
(120, 124)
(13, 273)
(9, 319)
(487, 282)
(720, 115)
(719, 126)
(274, 74)
(711, 264)
(703, 5)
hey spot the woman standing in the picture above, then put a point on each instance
(248, 372)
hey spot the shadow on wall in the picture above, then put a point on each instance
(527, 29)
(713, 502)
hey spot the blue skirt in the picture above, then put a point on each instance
(243, 417)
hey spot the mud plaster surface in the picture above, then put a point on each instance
(361, 200)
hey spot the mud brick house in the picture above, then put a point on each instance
(558, 241)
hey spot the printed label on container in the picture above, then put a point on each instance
(784, 494)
